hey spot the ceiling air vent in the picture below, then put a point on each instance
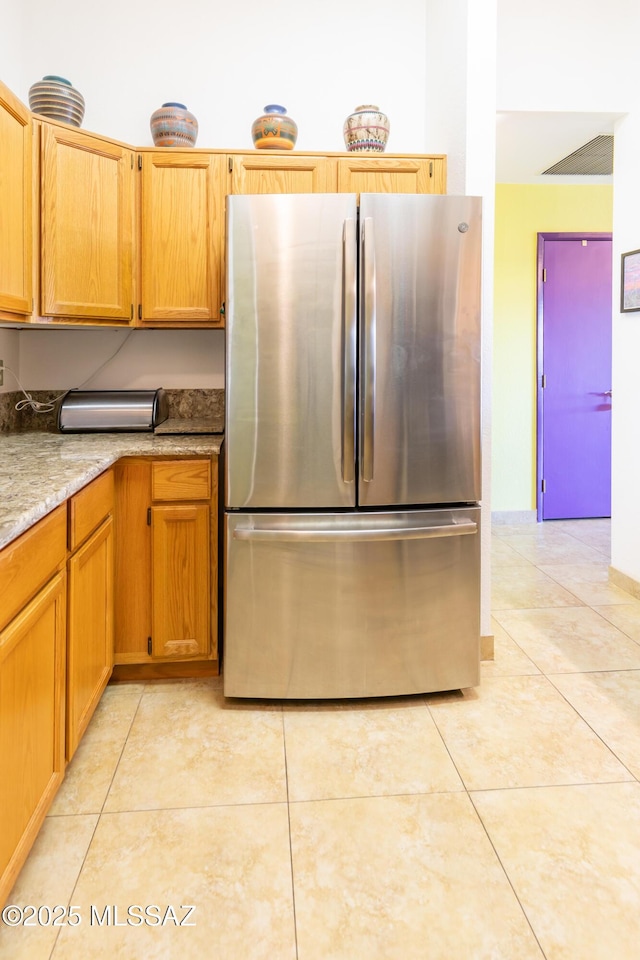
(594, 158)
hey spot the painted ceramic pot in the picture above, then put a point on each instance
(366, 129)
(57, 99)
(274, 130)
(173, 126)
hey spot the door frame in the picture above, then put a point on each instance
(575, 235)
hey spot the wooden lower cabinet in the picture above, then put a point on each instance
(90, 630)
(90, 604)
(166, 567)
(32, 676)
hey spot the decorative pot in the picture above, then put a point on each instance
(366, 129)
(274, 130)
(55, 98)
(173, 126)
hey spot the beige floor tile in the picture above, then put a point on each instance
(610, 703)
(517, 732)
(567, 573)
(502, 555)
(47, 880)
(588, 581)
(541, 531)
(524, 588)
(373, 748)
(510, 661)
(231, 863)
(557, 548)
(114, 714)
(401, 878)
(573, 857)
(189, 747)
(624, 616)
(570, 640)
(87, 778)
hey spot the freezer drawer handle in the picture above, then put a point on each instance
(333, 536)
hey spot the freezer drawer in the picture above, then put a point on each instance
(351, 605)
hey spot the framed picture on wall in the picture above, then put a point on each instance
(630, 282)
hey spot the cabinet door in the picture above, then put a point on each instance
(366, 174)
(181, 580)
(182, 238)
(87, 226)
(15, 204)
(266, 173)
(32, 650)
(90, 630)
(132, 561)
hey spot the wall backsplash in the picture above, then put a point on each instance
(183, 405)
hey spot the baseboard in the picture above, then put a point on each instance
(514, 516)
(619, 579)
(487, 647)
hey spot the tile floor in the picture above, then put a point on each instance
(501, 822)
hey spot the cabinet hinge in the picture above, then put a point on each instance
(149, 646)
(139, 161)
(230, 164)
(431, 168)
(543, 486)
(148, 516)
(544, 274)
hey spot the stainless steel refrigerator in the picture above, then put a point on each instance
(352, 445)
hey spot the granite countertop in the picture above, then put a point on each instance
(38, 470)
(187, 425)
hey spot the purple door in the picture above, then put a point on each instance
(575, 394)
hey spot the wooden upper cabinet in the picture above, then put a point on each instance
(367, 174)
(182, 237)
(16, 205)
(87, 226)
(282, 173)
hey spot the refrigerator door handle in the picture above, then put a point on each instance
(369, 348)
(332, 535)
(349, 275)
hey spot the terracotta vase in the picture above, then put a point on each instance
(55, 98)
(172, 125)
(274, 130)
(366, 129)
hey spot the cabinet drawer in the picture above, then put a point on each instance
(28, 562)
(181, 480)
(88, 508)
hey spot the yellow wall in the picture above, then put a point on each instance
(522, 211)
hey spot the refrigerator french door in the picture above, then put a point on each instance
(352, 445)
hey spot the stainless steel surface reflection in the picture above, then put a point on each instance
(351, 605)
(112, 410)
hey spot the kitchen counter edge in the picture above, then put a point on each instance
(39, 471)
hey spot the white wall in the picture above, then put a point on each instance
(582, 56)
(142, 359)
(12, 46)
(571, 55)
(225, 61)
(625, 527)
